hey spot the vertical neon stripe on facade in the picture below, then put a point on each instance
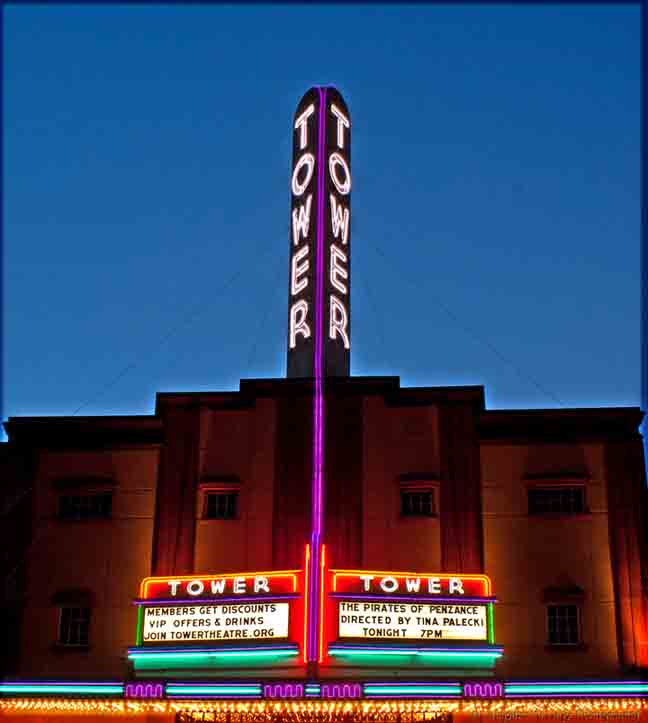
(321, 606)
(306, 575)
(317, 480)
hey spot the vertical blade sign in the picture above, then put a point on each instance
(320, 240)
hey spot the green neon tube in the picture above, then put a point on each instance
(94, 689)
(439, 653)
(140, 620)
(219, 654)
(491, 626)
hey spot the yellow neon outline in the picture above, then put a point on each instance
(442, 575)
(212, 576)
(307, 560)
(321, 625)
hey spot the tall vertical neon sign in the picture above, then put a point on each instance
(319, 311)
(319, 318)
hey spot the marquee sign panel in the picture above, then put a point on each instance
(230, 622)
(390, 621)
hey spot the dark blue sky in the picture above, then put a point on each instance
(496, 190)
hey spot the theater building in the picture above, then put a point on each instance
(325, 547)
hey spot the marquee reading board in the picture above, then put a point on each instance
(244, 607)
(319, 293)
(428, 608)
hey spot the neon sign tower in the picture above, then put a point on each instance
(319, 318)
(319, 315)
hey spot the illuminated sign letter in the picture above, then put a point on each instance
(217, 587)
(195, 587)
(338, 272)
(261, 584)
(174, 585)
(366, 580)
(338, 321)
(301, 125)
(301, 220)
(298, 325)
(297, 270)
(344, 186)
(343, 122)
(339, 220)
(456, 585)
(413, 585)
(298, 187)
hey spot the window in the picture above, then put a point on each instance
(563, 625)
(557, 500)
(85, 506)
(74, 626)
(221, 505)
(417, 503)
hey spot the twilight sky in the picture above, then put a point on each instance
(495, 205)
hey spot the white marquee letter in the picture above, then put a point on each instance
(298, 324)
(339, 220)
(337, 270)
(389, 584)
(366, 579)
(195, 587)
(301, 220)
(238, 586)
(217, 587)
(296, 285)
(261, 584)
(434, 585)
(456, 585)
(334, 161)
(302, 121)
(306, 160)
(338, 321)
(343, 122)
(413, 584)
(174, 585)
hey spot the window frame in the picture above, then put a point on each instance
(419, 483)
(224, 486)
(429, 490)
(84, 494)
(222, 493)
(578, 644)
(78, 620)
(549, 486)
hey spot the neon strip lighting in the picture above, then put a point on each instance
(491, 624)
(215, 601)
(210, 576)
(219, 654)
(83, 689)
(140, 623)
(456, 600)
(317, 481)
(418, 692)
(583, 689)
(213, 690)
(321, 606)
(306, 600)
(396, 573)
(423, 652)
(203, 649)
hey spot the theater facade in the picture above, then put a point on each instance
(326, 547)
